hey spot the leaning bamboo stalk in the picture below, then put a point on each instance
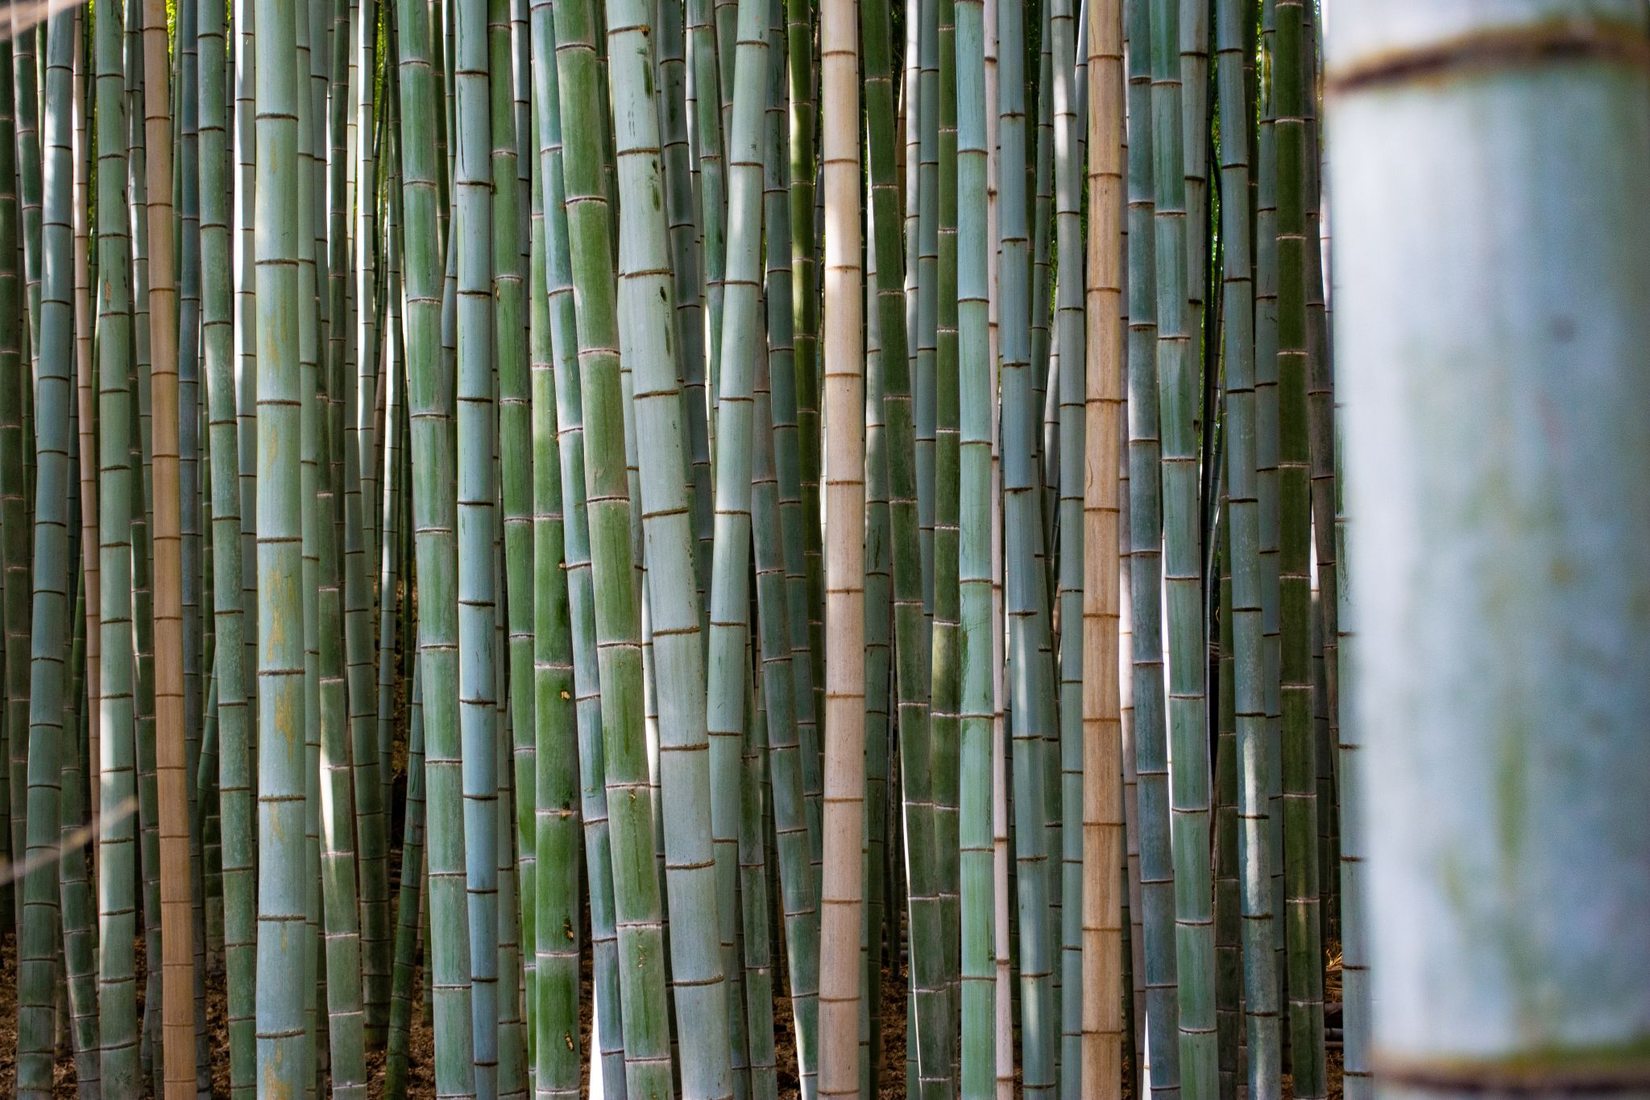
(842, 890)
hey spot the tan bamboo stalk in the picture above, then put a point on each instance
(177, 914)
(842, 891)
(1102, 1017)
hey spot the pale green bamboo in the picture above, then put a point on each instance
(606, 1037)
(39, 942)
(516, 466)
(1491, 820)
(244, 335)
(477, 584)
(282, 1036)
(555, 1000)
(1073, 390)
(430, 407)
(975, 416)
(705, 989)
(637, 908)
(729, 639)
(117, 848)
(706, 111)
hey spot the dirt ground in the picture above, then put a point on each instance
(891, 1076)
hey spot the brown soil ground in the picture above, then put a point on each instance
(891, 1061)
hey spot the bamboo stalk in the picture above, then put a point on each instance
(842, 888)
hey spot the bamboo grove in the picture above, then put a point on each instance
(741, 548)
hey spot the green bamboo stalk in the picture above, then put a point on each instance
(945, 664)
(555, 999)
(780, 592)
(1073, 452)
(1266, 464)
(377, 783)
(1177, 350)
(1145, 573)
(117, 850)
(1251, 758)
(729, 637)
(477, 585)
(705, 990)
(607, 1039)
(635, 881)
(753, 896)
(1300, 768)
(921, 111)
(1031, 674)
(975, 704)
(14, 526)
(37, 953)
(341, 912)
(234, 776)
(515, 446)
(1462, 736)
(282, 1036)
(75, 887)
(430, 406)
(410, 896)
(709, 126)
(927, 851)
(878, 673)
(681, 173)
(805, 309)
(26, 106)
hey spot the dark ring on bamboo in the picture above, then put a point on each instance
(1606, 41)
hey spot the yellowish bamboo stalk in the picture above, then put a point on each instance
(176, 878)
(1102, 1023)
